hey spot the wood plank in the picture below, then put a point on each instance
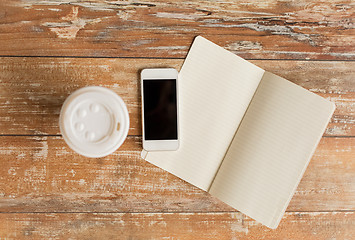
(330, 177)
(264, 29)
(41, 174)
(32, 90)
(337, 225)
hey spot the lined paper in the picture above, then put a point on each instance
(271, 149)
(215, 89)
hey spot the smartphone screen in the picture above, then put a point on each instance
(160, 109)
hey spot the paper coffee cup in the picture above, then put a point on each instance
(94, 121)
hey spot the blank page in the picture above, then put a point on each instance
(271, 149)
(215, 89)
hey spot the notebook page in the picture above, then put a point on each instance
(215, 89)
(271, 149)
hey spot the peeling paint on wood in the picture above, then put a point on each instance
(228, 226)
(33, 89)
(71, 26)
(44, 185)
(42, 174)
(243, 45)
(277, 30)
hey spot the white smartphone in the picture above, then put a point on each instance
(160, 109)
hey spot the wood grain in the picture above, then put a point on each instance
(32, 90)
(307, 226)
(267, 29)
(41, 174)
(49, 192)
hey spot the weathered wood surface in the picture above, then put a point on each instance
(49, 192)
(254, 29)
(32, 90)
(184, 226)
(41, 174)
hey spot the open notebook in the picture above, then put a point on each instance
(246, 135)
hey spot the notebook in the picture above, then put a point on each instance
(246, 135)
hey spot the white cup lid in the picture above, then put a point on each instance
(94, 121)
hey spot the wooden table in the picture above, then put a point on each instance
(51, 48)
